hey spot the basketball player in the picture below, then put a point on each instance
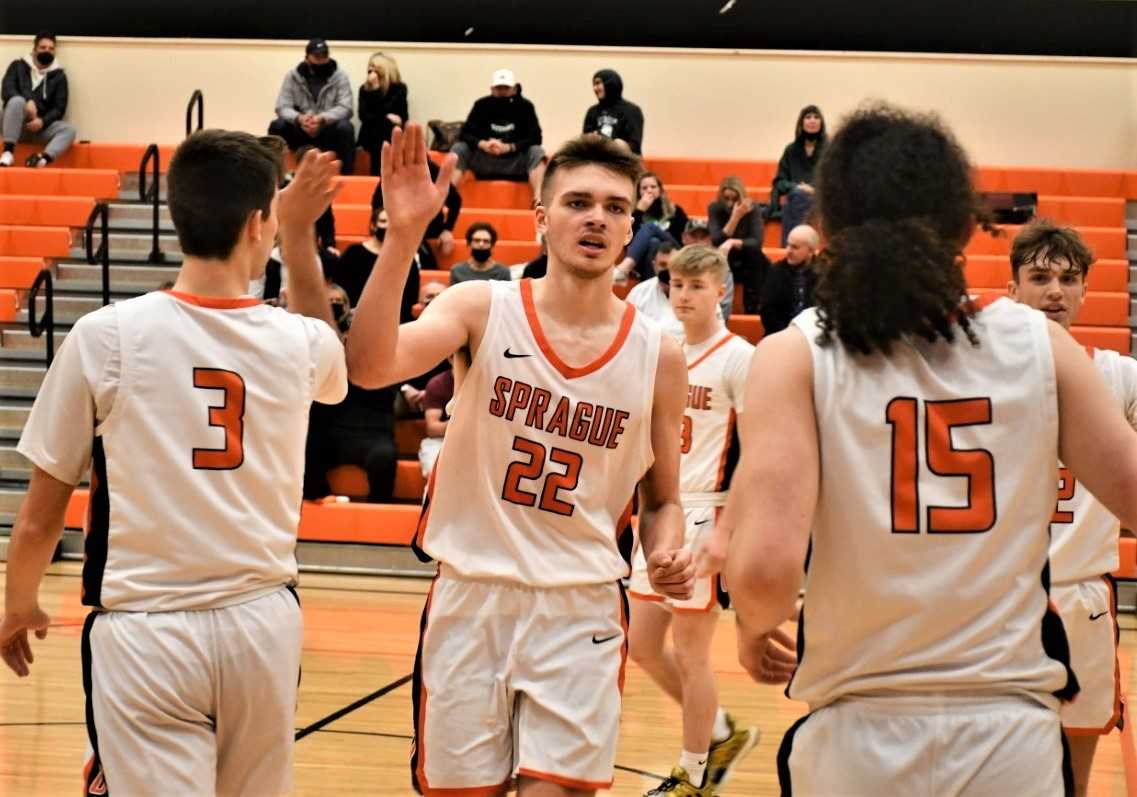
(1050, 266)
(191, 407)
(571, 400)
(910, 449)
(717, 362)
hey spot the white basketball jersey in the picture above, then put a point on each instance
(541, 459)
(929, 554)
(196, 469)
(1083, 532)
(716, 386)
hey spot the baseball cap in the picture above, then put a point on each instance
(316, 47)
(503, 77)
(694, 225)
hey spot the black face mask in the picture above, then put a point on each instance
(323, 70)
(45, 59)
(481, 255)
(380, 233)
(811, 136)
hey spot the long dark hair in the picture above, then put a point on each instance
(799, 127)
(897, 205)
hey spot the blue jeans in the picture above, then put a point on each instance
(795, 211)
(643, 247)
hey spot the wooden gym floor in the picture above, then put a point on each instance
(360, 637)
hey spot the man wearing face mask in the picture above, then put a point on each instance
(315, 106)
(480, 237)
(34, 96)
(612, 116)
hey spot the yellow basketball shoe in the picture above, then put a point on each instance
(678, 784)
(725, 755)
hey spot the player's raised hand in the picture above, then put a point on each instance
(411, 198)
(15, 648)
(672, 573)
(313, 187)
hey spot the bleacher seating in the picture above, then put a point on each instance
(40, 211)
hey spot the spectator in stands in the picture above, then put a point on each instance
(481, 237)
(794, 180)
(790, 283)
(501, 138)
(315, 106)
(650, 297)
(442, 227)
(357, 261)
(736, 229)
(612, 116)
(538, 266)
(429, 293)
(382, 106)
(655, 218)
(437, 395)
(34, 97)
(696, 232)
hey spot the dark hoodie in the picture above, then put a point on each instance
(512, 120)
(613, 116)
(50, 95)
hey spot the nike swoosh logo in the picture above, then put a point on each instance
(511, 356)
(701, 522)
(1099, 614)
(596, 641)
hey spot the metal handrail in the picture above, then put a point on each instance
(199, 99)
(37, 328)
(151, 196)
(100, 213)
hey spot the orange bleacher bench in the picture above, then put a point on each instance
(45, 211)
(994, 271)
(1083, 211)
(9, 305)
(19, 272)
(98, 155)
(351, 480)
(24, 241)
(97, 183)
(1106, 242)
(746, 326)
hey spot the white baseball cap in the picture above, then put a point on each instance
(503, 77)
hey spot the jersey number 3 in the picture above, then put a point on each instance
(229, 416)
(942, 458)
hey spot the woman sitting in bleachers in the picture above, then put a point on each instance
(655, 218)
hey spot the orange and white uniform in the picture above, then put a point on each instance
(1083, 552)
(521, 658)
(716, 386)
(928, 654)
(192, 414)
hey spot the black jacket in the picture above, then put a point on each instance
(613, 116)
(512, 120)
(794, 167)
(675, 225)
(50, 96)
(777, 307)
(438, 223)
(749, 228)
(374, 126)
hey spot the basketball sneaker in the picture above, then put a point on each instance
(724, 755)
(678, 784)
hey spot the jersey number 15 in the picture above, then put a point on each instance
(943, 459)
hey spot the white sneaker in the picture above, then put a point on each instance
(6, 159)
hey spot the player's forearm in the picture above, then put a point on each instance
(307, 292)
(661, 527)
(372, 343)
(762, 598)
(29, 554)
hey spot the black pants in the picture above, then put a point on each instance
(330, 446)
(749, 265)
(338, 137)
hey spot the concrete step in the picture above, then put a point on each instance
(20, 381)
(18, 344)
(132, 279)
(68, 309)
(138, 216)
(10, 500)
(14, 465)
(129, 246)
(128, 186)
(12, 419)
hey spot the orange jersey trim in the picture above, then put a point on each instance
(467, 791)
(568, 371)
(560, 780)
(216, 302)
(711, 351)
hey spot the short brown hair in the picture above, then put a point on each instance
(216, 179)
(593, 149)
(1045, 240)
(696, 259)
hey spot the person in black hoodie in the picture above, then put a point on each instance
(794, 179)
(382, 105)
(614, 117)
(501, 138)
(34, 96)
